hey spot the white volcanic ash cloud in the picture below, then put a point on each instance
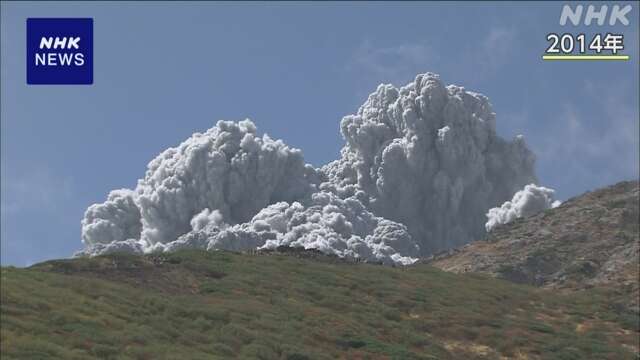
(428, 156)
(421, 166)
(231, 189)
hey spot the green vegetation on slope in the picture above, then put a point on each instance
(203, 305)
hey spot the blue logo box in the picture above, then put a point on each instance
(59, 51)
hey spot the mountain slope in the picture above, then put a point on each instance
(590, 240)
(203, 305)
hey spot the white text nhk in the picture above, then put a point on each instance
(59, 59)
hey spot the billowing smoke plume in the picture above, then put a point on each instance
(526, 202)
(428, 156)
(421, 166)
(230, 189)
(228, 169)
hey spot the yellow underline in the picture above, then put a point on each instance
(585, 57)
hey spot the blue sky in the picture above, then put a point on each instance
(163, 71)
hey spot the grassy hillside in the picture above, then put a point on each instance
(199, 305)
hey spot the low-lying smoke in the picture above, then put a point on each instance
(526, 202)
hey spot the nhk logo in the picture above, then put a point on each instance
(55, 58)
(59, 51)
(617, 14)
